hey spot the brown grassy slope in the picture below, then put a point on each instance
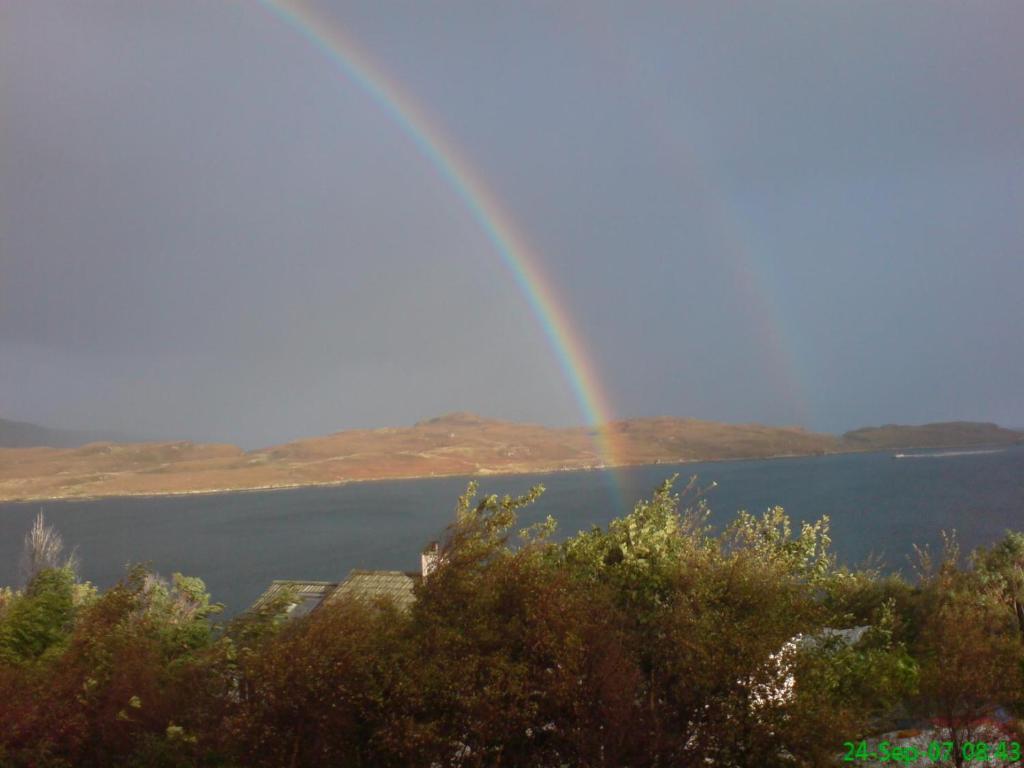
(649, 441)
(456, 444)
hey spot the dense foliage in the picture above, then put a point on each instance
(654, 642)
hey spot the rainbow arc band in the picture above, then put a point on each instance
(510, 244)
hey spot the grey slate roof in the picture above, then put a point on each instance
(377, 585)
(371, 586)
(822, 638)
(309, 593)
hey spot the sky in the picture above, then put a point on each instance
(791, 213)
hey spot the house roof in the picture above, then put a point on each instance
(309, 594)
(379, 585)
(371, 586)
(850, 636)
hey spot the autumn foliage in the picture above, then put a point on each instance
(653, 642)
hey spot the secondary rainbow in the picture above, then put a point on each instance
(507, 239)
(746, 259)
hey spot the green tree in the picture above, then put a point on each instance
(39, 619)
(1002, 568)
(971, 658)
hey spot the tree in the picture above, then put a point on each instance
(44, 550)
(652, 641)
(970, 655)
(39, 618)
(1002, 568)
(320, 691)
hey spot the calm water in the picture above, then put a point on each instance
(239, 542)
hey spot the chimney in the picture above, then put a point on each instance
(429, 558)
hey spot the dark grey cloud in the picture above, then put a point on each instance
(810, 212)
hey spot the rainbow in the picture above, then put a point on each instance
(745, 259)
(508, 241)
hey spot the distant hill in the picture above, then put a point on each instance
(20, 434)
(455, 444)
(948, 434)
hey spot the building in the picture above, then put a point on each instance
(372, 586)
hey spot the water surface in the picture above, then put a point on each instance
(239, 542)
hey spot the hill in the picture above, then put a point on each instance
(948, 434)
(455, 444)
(20, 434)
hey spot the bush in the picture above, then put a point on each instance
(651, 642)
